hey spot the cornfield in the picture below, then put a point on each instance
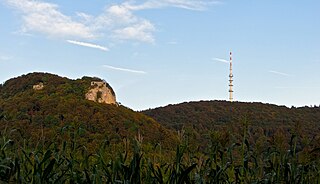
(133, 161)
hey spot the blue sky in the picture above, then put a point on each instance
(159, 52)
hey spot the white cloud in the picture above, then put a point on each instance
(114, 16)
(220, 60)
(279, 73)
(124, 25)
(141, 31)
(46, 18)
(124, 69)
(85, 18)
(121, 14)
(91, 45)
(118, 21)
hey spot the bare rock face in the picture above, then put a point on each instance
(101, 92)
(39, 86)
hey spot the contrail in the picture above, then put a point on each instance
(124, 69)
(221, 60)
(279, 73)
(91, 45)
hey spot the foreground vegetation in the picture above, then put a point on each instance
(225, 160)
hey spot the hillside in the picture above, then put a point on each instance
(200, 119)
(37, 115)
(62, 104)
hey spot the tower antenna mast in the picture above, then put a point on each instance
(230, 80)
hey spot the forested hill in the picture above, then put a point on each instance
(61, 106)
(220, 112)
(201, 118)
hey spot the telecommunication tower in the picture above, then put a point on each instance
(230, 80)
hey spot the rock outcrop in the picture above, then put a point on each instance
(101, 92)
(39, 86)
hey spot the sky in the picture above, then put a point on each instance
(159, 52)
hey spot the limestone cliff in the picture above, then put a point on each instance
(101, 92)
(39, 86)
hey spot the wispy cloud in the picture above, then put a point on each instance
(296, 87)
(124, 69)
(91, 45)
(220, 60)
(117, 21)
(197, 5)
(280, 73)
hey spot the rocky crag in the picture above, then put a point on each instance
(101, 92)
